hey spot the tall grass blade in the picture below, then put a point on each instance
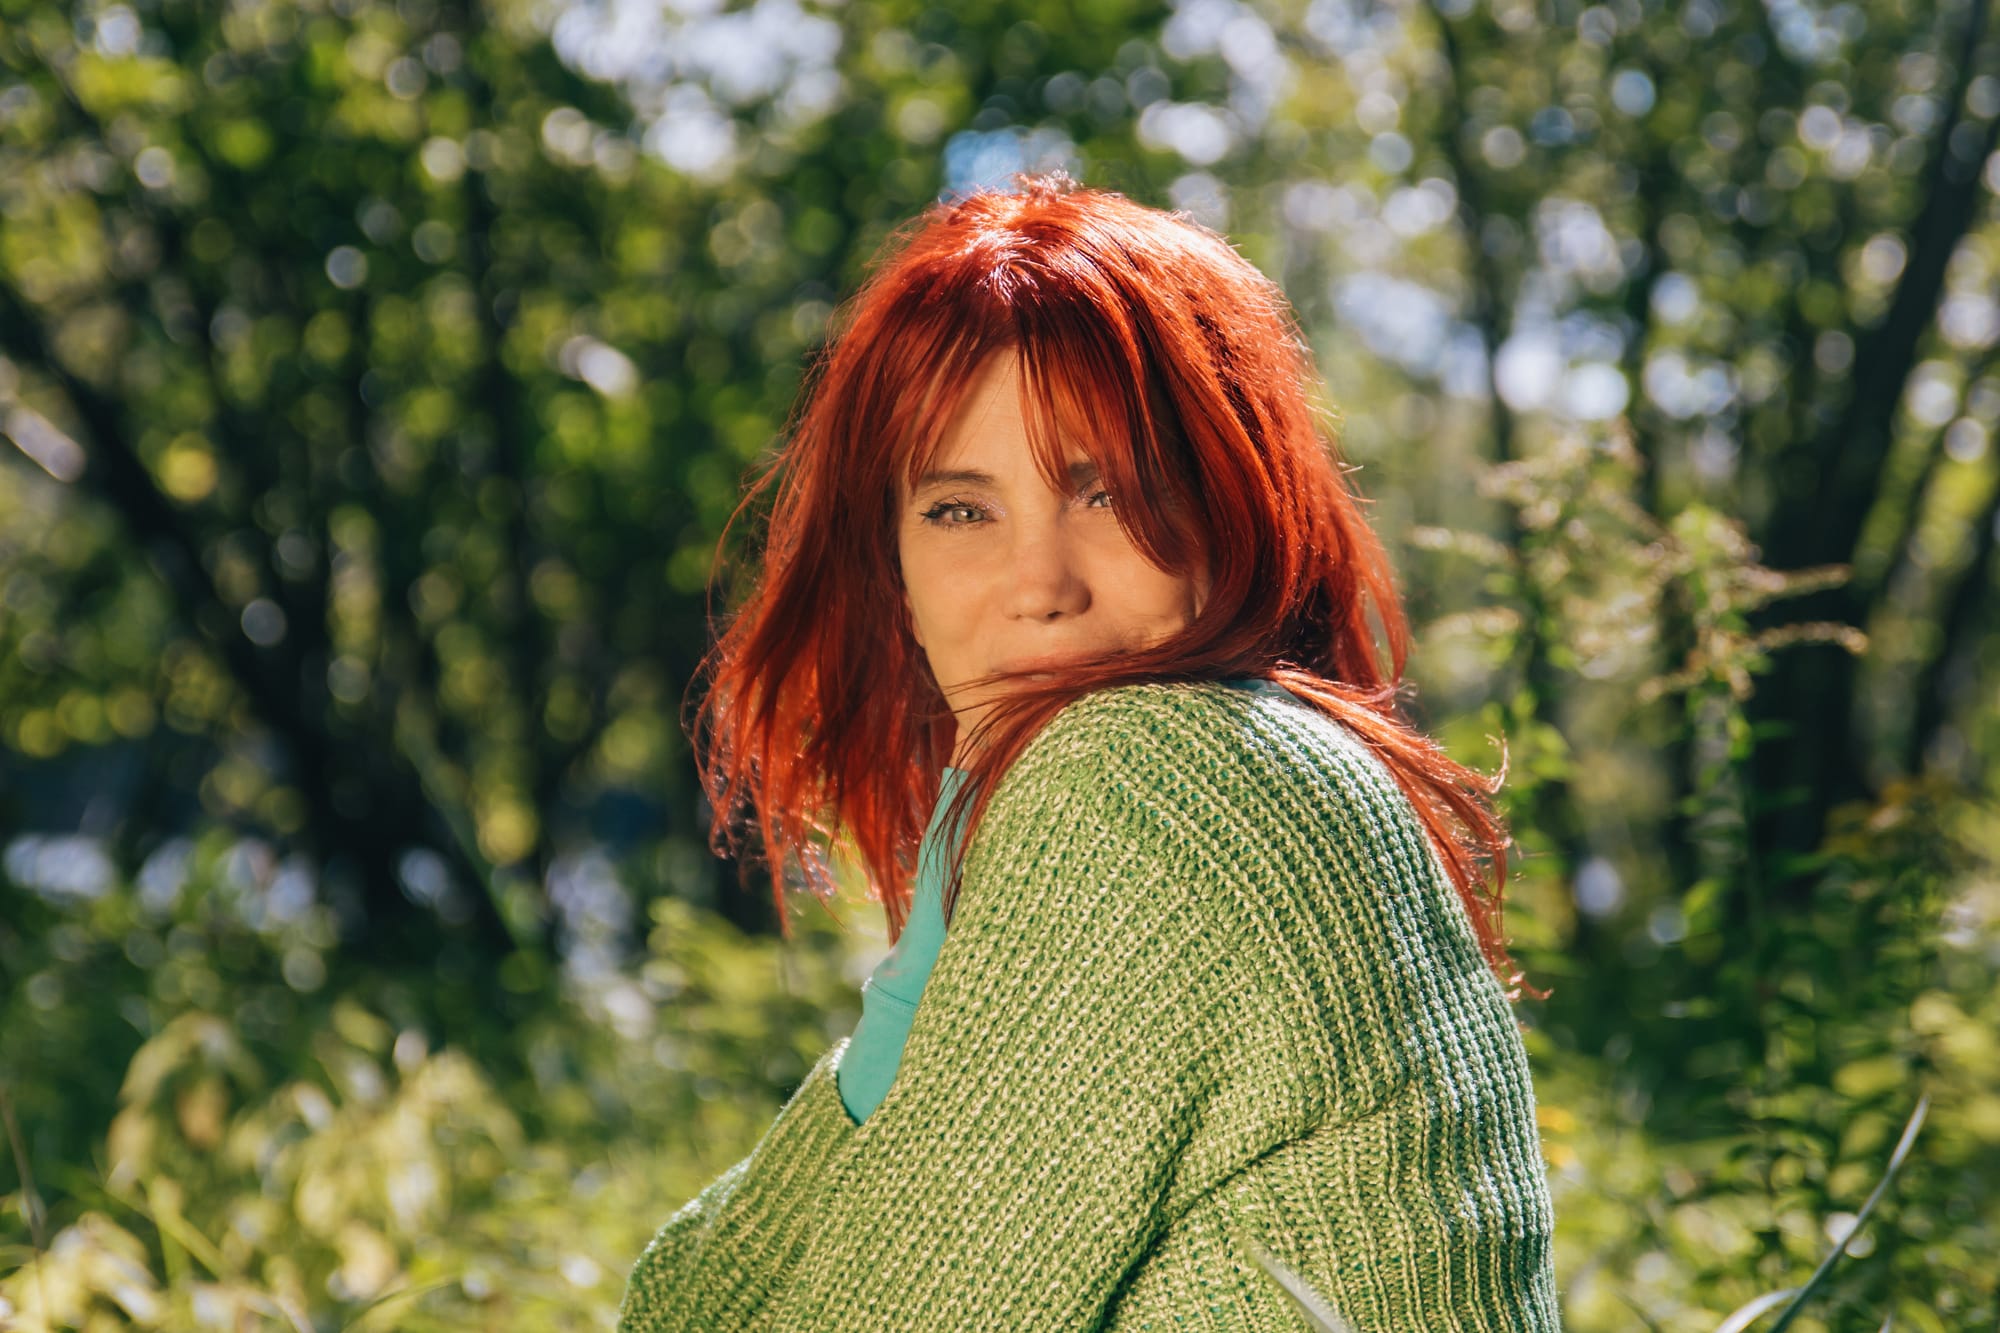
(277, 1305)
(374, 1307)
(1813, 1283)
(1748, 1314)
(31, 1202)
(1309, 1303)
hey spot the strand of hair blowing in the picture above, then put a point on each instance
(1148, 342)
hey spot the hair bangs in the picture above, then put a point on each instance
(937, 369)
(1090, 387)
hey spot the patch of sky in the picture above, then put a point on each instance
(598, 364)
(427, 881)
(693, 135)
(1342, 27)
(1965, 440)
(1584, 336)
(291, 895)
(1321, 206)
(686, 64)
(164, 873)
(1685, 387)
(1552, 125)
(1594, 391)
(1228, 28)
(1400, 320)
(1259, 72)
(595, 918)
(1632, 92)
(583, 887)
(1201, 134)
(1599, 890)
(1932, 396)
(1970, 320)
(1202, 197)
(1675, 298)
(1391, 152)
(34, 435)
(117, 31)
(1810, 36)
(248, 865)
(1713, 455)
(1195, 29)
(1528, 369)
(1464, 372)
(60, 867)
(1413, 210)
(1565, 366)
(742, 56)
(1667, 924)
(975, 159)
(1572, 239)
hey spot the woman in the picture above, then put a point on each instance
(1063, 622)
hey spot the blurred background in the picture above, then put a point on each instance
(375, 381)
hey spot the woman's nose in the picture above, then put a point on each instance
(1046, 582)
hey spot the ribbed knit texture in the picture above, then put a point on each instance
(1206, 979)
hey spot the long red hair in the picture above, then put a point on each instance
(1180, 370)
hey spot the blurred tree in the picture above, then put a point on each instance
(314, 300)
(382, 374)
(424, 396)
(1739, 232)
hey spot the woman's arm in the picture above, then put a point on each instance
(714, 1264)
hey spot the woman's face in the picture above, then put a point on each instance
(1002, 573)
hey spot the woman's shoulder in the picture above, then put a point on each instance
(1211, 739)
(1224, 763)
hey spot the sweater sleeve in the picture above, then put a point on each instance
(1076, 1075)
(711, 1265)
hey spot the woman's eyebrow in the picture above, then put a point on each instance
(1081, 473)
(959, 477)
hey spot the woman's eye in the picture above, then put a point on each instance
(1098, 499)
(948, 514)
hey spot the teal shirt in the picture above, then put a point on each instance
(889, 997)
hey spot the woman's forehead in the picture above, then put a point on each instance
(998, 412)
(995, 407)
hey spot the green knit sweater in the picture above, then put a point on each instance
(1206, 981)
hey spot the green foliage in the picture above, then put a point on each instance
(1715, 1118)
(315, 1163)
(379, 378)
(1736, 1119)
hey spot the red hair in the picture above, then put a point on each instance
(1180, 370)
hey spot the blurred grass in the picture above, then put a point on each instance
(378, 377)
